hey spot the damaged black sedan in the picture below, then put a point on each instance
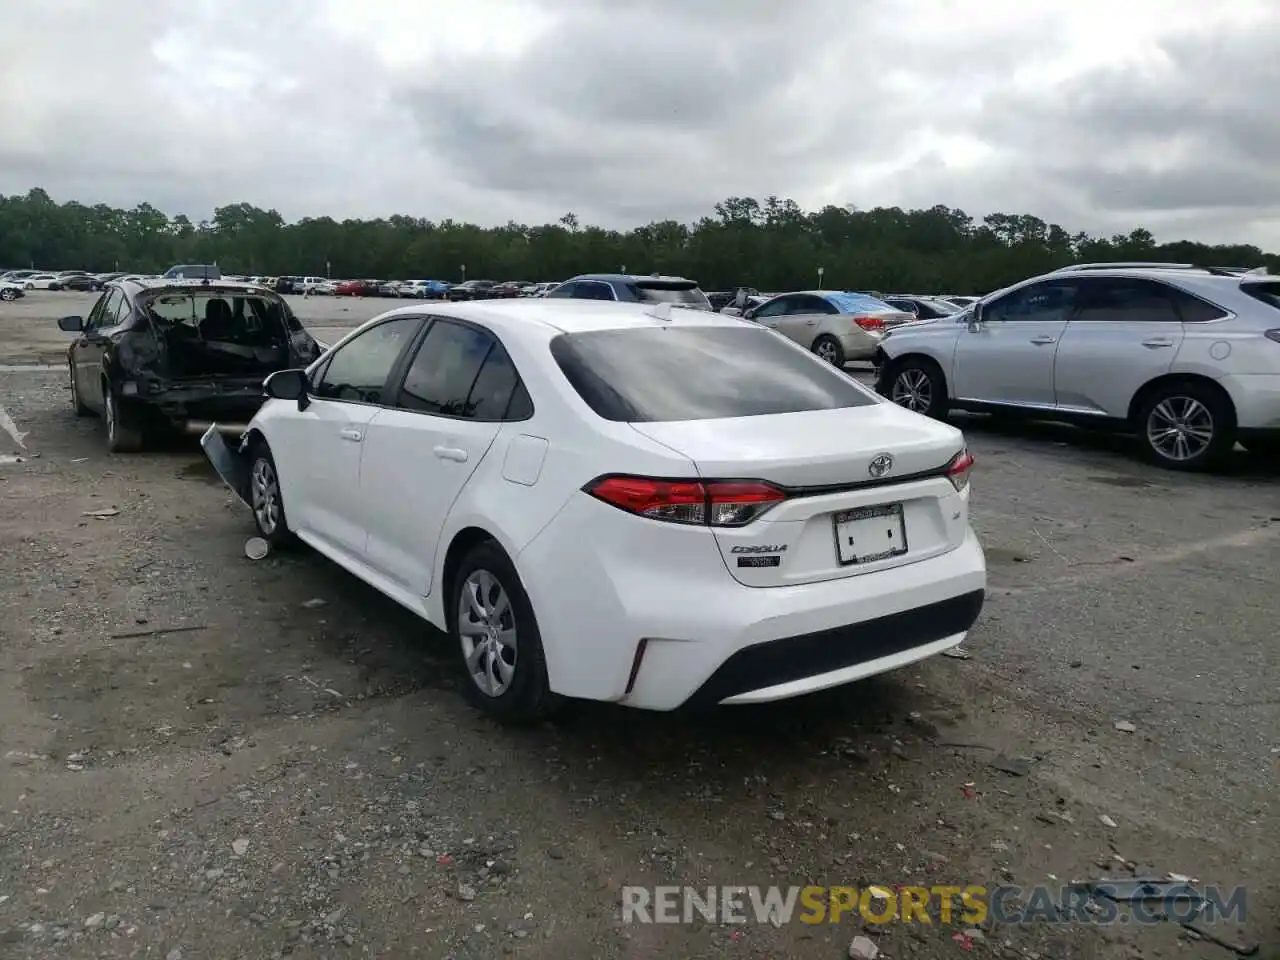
(157, 357)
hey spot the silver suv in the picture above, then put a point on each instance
(1186, 357)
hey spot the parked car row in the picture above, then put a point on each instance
(26, 280)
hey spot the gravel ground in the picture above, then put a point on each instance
(203, 756)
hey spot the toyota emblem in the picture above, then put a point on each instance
(880, 465)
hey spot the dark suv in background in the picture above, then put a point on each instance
(630, 288)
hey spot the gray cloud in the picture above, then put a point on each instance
(625, 111)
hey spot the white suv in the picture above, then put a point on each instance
(1187, 357)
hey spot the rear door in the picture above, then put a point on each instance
(1122, 333)
(422, 449)
(805, 313)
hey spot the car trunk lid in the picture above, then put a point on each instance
(866, 489)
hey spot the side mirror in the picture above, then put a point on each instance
(749, 314)
(71, 324)
(975, 317)
(287, 385)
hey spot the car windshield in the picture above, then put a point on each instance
(674, 373)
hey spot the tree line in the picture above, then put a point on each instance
(770, 245)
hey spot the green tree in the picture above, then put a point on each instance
(771, 244)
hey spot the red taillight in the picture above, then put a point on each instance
(869, 323)
(716, 503)
(958, 469)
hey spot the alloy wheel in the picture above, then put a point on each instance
(487, 628)
(1180, 428)
(912, 389)
(826, 350)
(264, 490)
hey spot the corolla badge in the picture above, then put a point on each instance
(880, 465)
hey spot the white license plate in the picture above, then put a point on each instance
(868, 534)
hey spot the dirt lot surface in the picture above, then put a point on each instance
(203, 756)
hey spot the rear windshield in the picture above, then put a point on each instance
(665, 374)
(687, 294)
(858, 303)
(1268, 293)
(256, 320)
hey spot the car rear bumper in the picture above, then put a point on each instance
(1257, 400)
(860, 344)
(630, 615)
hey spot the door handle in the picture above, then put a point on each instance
(350, 433)
(1156, 342)
(810, 323)
(1042, 340)
(451, 453)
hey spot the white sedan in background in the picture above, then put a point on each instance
(43, 281)
(640, 504)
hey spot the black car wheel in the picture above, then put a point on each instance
(124, 429)
(1186, 426)
(917, 384)
(77, 404)
(8, 293)
(266, 497)
(499, 648)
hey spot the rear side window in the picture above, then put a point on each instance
(460, 371)
(665, 374)
(1123, 300)
(1268, 293)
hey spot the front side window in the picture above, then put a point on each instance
(774, 308)
(1048, 301)
(112, 311)
(358, 370)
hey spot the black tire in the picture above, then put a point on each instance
(264, 483)
(8, 293)
(122, 422)
(1175, 409)
(829, 349)
(30, 286)
(76, 403)
(917, 384)
(527, 696)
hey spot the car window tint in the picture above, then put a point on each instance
(593, 290)
(698, 373)
(1122, 300)
(1192, 309)
(358, 370)
(112, 311)
(495, 385)
(1047, 301)
(95, 315)
(813, 305)
(775, 308)
(446, 367)
(564, 291)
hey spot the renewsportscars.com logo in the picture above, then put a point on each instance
(971, 905)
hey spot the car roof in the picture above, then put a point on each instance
(629, 277)
(549, 318)
(160, 283)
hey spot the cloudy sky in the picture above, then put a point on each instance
(1096, 114)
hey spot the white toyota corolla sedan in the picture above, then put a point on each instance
(640, 504)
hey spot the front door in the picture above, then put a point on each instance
(91, 346)
(1008, 357)
(319, 450)
(804, 314)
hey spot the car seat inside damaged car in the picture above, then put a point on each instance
(213, 333)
